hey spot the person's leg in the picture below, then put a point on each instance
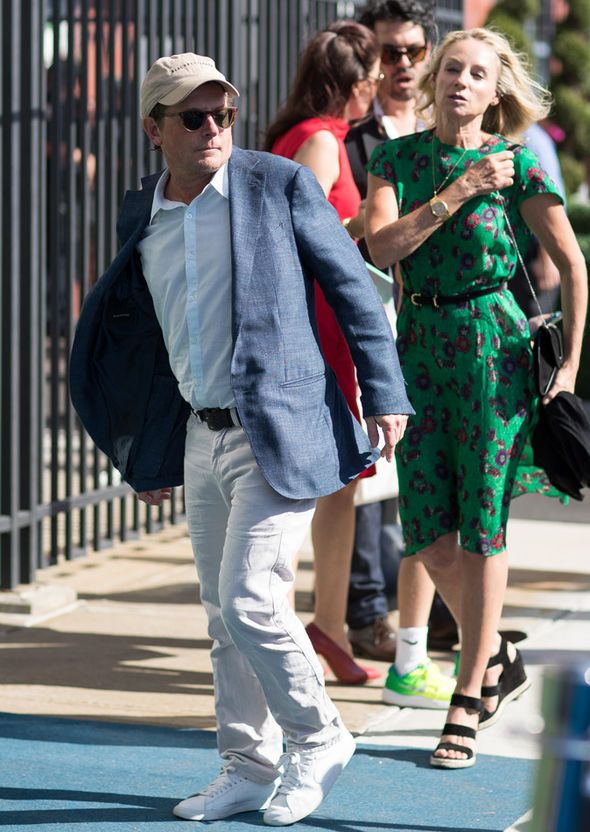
(443, 562)
(415, 594)
(366, 591)
(258, 746)
(415, 681)
(369, 630)
(264, 532)
(248, 737)
(482, 589)
(332, 534)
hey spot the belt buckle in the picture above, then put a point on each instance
(220, 419)
(432, 300)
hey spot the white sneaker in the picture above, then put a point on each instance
(228, 794)
(307, 779)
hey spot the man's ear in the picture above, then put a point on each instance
(152, 131)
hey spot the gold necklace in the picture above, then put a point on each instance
(434, 185)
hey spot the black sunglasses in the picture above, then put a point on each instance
(391, 55)
(194, 119)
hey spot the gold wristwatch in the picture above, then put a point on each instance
(439, 208)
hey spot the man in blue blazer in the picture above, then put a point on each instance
(196, 360)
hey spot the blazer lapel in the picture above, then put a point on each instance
(136, 209)
(246, 192)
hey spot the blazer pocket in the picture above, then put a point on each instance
(301, 382)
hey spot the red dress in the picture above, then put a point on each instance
(346, 199)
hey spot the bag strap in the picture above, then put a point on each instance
(502, 203)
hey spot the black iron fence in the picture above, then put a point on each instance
(71, 145)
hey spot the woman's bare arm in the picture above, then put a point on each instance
(546, 218)
(320, 154)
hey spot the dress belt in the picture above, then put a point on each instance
(218, 418)
(445, 300)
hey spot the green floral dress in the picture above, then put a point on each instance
(468, 365)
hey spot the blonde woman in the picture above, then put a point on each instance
(438, 204)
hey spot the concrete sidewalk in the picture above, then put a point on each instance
(134, 646)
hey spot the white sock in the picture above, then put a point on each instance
(410, 648)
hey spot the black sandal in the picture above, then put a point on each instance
(458, 700)
(511, 684)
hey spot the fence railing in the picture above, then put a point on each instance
(71, 145)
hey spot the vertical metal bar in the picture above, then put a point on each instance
(189, 26)
(125, 99)
(43, 554)
(56, 239)
(31, 206)
(153, 53)
(69, 273)
(86, 276)
(113, 68)
(263, 68)
(178, 44)
(139, 67)
(125, 154)
(200, 27)
(11, 175)
(235, 67)
(5, 564)
(99, 230)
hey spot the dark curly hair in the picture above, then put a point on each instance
(412, 11)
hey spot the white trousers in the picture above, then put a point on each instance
(268, 681)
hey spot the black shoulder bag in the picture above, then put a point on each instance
(547, 342)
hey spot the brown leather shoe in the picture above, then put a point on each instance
(377, 641)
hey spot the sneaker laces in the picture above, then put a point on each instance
(226, 778)
(292, 765)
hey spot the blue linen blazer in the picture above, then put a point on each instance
(284, 234)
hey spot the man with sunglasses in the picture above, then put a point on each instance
(405, 29)
(196, 360)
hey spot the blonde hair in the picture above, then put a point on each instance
(522, 100)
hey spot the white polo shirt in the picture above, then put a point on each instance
(186, 260)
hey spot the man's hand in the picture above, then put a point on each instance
(155, 497)
(393, 427)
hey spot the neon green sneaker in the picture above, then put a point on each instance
(424, 687)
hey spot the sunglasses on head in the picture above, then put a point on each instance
(194, 119)
(391, 55)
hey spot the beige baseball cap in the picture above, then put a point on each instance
(171, 80)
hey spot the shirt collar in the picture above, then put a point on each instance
(220, 182)
(385, 121)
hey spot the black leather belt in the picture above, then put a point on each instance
(218, 418)
(444, 300)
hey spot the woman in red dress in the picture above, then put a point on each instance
(335, 84)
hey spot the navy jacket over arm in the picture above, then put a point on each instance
(284, 234)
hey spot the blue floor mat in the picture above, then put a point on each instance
(70, 775)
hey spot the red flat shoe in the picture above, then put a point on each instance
(340, 663)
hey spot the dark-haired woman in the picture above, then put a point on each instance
(335, 84)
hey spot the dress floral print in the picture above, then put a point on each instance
(468, 365)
